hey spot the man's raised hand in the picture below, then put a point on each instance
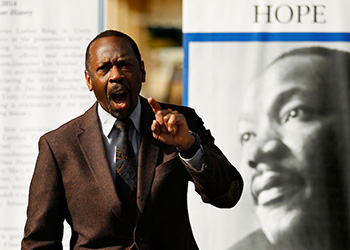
(170, 127)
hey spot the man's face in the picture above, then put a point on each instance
(287, 130)
(115, 75)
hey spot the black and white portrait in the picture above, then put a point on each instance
(282, 114)
(294, 131)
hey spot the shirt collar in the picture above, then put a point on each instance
(108, 121)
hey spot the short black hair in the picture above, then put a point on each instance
(337, 62)
(333, 55)
(109, 33)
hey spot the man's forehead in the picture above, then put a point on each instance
(104, 46)
(110, 42)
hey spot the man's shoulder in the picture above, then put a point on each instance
(255, 240)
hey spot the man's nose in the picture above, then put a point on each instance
(115, 74)
(266, 150)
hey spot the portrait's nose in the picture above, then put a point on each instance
(115, 74)
(266, 150)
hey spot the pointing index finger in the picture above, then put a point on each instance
(154, 105)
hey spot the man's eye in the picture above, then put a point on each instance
(125, 65)
(246, 137)
(102, 68)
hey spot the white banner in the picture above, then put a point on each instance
(227, 44)
(42, 85)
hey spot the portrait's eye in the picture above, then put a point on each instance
(300, 114)
(246, 137)
(292, 114)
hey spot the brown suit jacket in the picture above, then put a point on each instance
(72, 181)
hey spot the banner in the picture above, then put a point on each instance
(42, 85)
(270, 80)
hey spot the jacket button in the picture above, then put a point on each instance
(209, 169)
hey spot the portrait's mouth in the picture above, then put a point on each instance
(272, 188)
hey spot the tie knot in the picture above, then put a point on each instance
(123, 124)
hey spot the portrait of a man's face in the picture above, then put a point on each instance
(294, 136)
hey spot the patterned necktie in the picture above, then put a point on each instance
(125, 157)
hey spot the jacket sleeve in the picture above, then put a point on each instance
(218, 181)
(46, 207)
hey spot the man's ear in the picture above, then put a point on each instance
(143, 71)
(88, 80)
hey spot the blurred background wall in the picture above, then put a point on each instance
(156, 26)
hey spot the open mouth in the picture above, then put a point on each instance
(118, 98)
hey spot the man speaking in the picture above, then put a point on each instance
(119, 173)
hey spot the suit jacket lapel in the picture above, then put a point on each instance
(149, 153)
(91, 144)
